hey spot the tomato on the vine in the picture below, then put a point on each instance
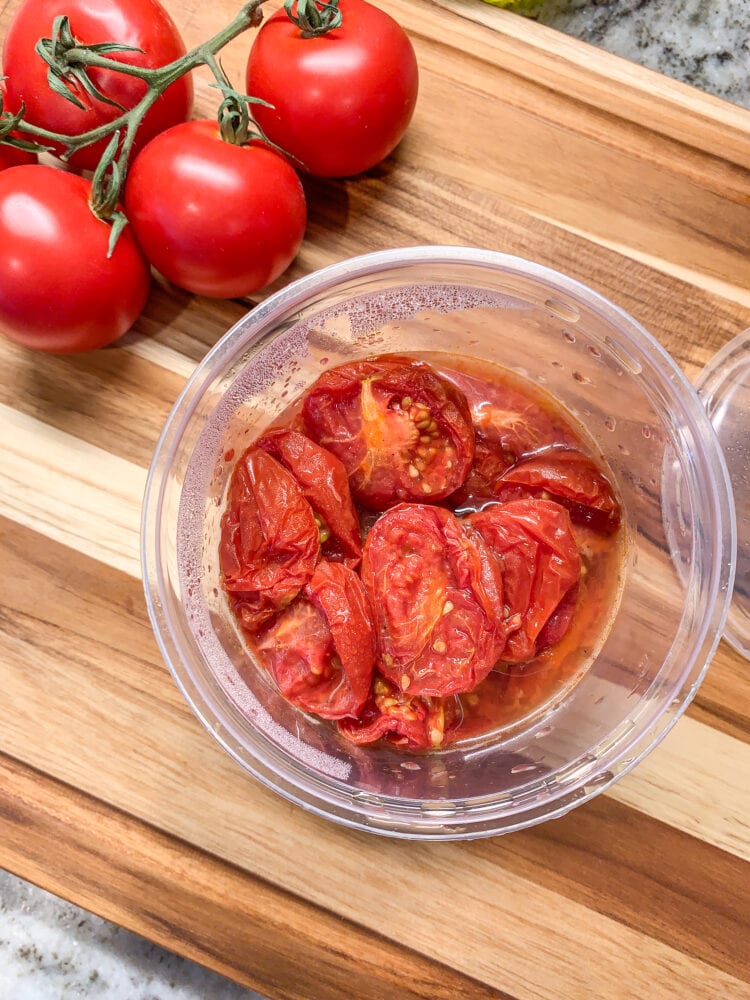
(59, 291)
(341, 101)
(269, 539)
(143, 24)
(437, 596)
(321, 649)
(402, 432)
(213, 217)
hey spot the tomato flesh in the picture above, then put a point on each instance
(411, 722)
(401, 432)
(540, 566)
(437, 596)
(269, 539)
(321, 649)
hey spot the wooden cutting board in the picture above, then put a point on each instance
(112, 794)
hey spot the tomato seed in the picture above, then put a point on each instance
(447, 607)
(425, 438)
(426, 488)
(439, 646)
(405, 681)
(406, 402)
(423, 425)
(414, 472)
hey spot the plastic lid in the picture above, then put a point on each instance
(724, 387)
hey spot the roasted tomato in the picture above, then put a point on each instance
(402, 432)
(269, 539)
(571, 478)
(413, 722)
(507, 425)
(323, 480)
(437, 597)
(540, 564)
(321, 649)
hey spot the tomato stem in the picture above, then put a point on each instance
(68, 62)
(313, 17)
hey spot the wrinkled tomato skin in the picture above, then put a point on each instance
(227, 221)
(507, 425)
(144, 24)
(437, 597)
(392, 454)
(321, 650)
(572, 479)
(324, 483)
(342, 101)
(269, 539)
(407, 721)
(59, 291)
(540, 566)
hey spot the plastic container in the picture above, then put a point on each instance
(653, 432)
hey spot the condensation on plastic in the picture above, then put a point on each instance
(652, 431)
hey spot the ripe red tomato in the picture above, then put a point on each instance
(10, 156)
(323, 481)
(437, 597)
(573, 479)
(269, 539)
(402, 432)
(540, 566)
(342, 101)
(144, 24)
(58, 289)
(215, 218)
(417, 723)
(321, 650)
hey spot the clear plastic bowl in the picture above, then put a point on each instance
(653, 432)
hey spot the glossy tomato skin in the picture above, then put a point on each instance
(324, 483)
(269, 543)
(10, 156)
(437, 597)
(144, 24)
(571, 478)
(410, 722)
(215, 218)
(342, 101)
(540, 567)
(59, 291)
(402, 432)
(321, 650)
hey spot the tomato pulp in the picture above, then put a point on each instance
(422, 551)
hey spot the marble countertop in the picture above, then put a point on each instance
(705, 43)
(50, 949)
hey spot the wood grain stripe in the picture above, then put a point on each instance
(173, 774)
(195, 904)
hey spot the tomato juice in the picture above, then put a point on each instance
(423, 551)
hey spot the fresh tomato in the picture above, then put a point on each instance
(437, 596)
(321, 650)
(411, 722)
(323, 481)
(215, 218)
(269, 539)
(540, 566)
(144, 24)
(59, 291)
(341, 101)
(571, 478)
(11, 156)
(402, 432)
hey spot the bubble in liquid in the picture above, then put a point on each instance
(610, 423)
(646, 431)
(570, 337)
(583, 379)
